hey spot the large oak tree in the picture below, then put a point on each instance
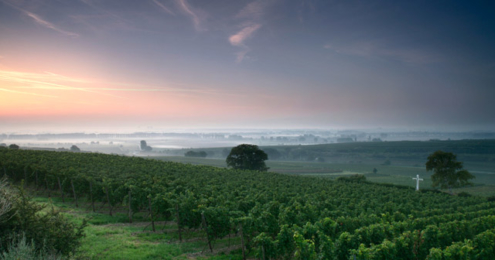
(247, 157)
(447, 171)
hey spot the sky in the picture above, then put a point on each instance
(159, 64)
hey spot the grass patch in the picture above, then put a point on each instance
(112, 237)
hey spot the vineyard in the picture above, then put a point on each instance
(275, 216)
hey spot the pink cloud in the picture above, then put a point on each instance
(238, 38)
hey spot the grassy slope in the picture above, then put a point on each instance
(112, 237)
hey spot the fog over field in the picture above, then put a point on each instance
(129, 143)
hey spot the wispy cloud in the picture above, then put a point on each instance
(184, 6)
(239, 38)
(252, 15)
(246, 32)
(49, 25)
(52, 81)
(36, 18)
(241, 54)
(163, 7)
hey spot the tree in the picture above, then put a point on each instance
(447, 171)
(74, 148)
(145, 147)
(13, 146)
(247, 157)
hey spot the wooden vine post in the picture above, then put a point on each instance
(25, 176)
(36, 176)
(91, 195)
(130, 208)
(46, 188)
(242, 244)
(178, 221)
(205, 226)
(151, 214)
(108, 200)
(74, 192)
(61, 190)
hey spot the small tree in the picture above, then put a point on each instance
(144, 146)
(74, 148)
(247, 157)
(447, 171)
(14, 146)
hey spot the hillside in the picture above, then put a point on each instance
(274, 215)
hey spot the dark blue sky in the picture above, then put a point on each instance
(186, 63)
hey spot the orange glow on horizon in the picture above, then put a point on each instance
(40, 95)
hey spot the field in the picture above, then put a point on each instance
(484, 184)
(406, 160)
(259, 215)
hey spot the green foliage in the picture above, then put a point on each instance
(447, 171)
(47, 230)
(305, 248)
(19, 248)
(74, 148)
(284, 216)
(480, 247)
(14, 146)
(247, 157)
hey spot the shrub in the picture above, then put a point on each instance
(19, 248)
(46, 230)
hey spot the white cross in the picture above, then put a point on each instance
(417, 181)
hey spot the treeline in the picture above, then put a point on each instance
(275, 215)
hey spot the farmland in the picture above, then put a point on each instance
(269, 215)
(407, 159)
